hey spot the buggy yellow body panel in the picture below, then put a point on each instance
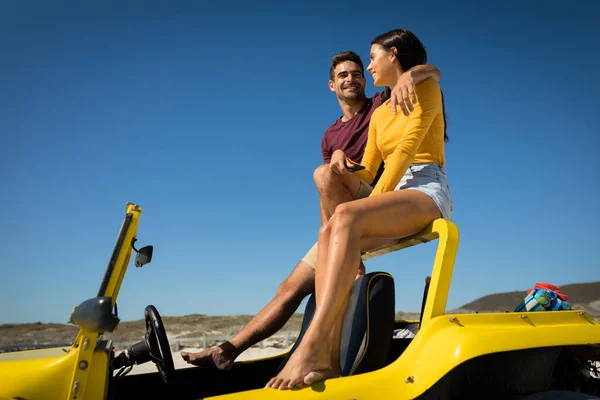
(442, 345)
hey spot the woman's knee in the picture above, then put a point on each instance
(345, 216)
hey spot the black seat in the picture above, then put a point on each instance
(368, 324)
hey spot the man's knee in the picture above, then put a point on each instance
(323, 175)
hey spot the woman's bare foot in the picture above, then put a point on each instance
(308, 364)
(220, 357)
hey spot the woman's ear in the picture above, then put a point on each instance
(394, 51)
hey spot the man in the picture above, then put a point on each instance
(349, 133)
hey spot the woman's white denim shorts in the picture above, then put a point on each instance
(429, 178)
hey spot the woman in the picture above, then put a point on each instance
(411, 193)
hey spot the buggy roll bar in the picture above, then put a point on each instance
(441, 276)
(119, 260)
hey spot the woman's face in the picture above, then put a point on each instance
(382, 66)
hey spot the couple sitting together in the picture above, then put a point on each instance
(401, 189)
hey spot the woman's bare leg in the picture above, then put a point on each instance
(335, 189)
(322, 355)
(324, 360)
(393, 214)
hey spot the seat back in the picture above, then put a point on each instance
(368, 325)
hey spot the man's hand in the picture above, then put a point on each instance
(403, 94)
(339, 162)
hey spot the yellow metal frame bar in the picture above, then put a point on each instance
(443, 266)
(84, 348)
(124, 254)
(85, 342)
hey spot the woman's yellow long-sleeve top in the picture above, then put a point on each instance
(400, 140)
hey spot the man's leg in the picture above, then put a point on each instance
(335, 189)
(299, 284)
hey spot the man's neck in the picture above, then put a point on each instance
(351, 109)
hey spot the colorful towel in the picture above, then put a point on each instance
(544, 297)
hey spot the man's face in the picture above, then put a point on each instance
(348, 82)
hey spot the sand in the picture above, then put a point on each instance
(250, 354)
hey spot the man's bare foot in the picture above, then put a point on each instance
(218, 357)
(305, 367)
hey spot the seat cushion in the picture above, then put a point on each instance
(368, 325)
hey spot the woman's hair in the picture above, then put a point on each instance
(410, 53)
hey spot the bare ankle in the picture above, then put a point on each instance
(229, 350)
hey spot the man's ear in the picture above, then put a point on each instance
(331, 85)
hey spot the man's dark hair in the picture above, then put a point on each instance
(345, 56)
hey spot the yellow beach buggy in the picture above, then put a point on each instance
(512, 355)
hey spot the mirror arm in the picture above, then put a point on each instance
(133, 240)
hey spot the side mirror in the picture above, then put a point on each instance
(143, 256)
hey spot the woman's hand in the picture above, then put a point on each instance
(339, 162)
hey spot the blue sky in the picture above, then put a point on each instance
(210, 117)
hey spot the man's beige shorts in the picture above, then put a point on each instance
(363, 191)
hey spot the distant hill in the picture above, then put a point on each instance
(187, 326)
(584, 296)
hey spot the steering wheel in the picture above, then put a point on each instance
(156, 339)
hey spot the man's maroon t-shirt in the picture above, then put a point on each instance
(350, 136)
